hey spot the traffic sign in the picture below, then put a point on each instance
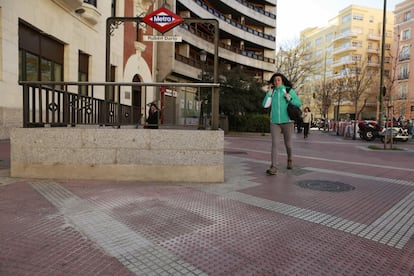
(162, 19)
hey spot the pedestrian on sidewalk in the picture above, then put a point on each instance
(279, 93)
(152, 120)
(307, 119)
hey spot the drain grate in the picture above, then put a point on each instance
(325, 185)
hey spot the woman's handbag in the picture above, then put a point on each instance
(294, 112)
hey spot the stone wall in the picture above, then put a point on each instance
(118, 154)
(9, 119)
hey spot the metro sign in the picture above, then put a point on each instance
(162, 19)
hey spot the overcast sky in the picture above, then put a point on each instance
(293, 16)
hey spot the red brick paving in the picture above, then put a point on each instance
(214, 233)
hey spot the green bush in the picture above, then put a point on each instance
(250, 123)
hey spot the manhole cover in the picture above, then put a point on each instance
(325, 186)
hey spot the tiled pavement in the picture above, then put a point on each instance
(251, 224)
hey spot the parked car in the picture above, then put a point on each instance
(398, 134)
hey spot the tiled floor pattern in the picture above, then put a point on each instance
(393, 228)
(135, 252)
(201, 229)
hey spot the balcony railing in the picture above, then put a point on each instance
(403, 76)
(233, 49)
(257, 9)
(233, 22)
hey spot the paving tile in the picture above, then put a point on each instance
(251, 224)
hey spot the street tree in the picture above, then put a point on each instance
(294, 61)
(361, 83)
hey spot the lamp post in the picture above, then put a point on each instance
(337, 109)
(382, 87)
(203, 59)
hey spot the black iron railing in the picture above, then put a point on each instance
(52, 103)
(56, 104)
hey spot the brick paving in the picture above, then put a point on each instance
(252, 224)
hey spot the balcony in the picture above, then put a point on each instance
(339, 50)
(403, 76)
(89, 12)
(373, 51)
(229, 25)
(344, 36)
(201, 40)
(374, 37)
(404, 58)
(373, 64)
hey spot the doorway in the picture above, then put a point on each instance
(137, 100)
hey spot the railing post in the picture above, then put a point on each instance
(25, 105)
(119, 106)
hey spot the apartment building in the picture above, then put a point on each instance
(66, 40)
(403, 88)
(348, 47)
(247, 32)
(53, 40)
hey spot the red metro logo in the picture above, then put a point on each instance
(162, 19)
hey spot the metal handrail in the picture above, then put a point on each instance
(51, 103)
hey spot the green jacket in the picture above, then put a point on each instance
(278, 111)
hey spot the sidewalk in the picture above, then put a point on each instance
(343, 209)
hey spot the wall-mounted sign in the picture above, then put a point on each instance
(162, 19)
(164, 38)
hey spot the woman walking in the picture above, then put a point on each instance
(307, 119)
(280, 93)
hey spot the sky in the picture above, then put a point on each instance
(293, 16)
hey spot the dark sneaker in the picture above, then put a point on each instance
(271, 171)
(289, 165)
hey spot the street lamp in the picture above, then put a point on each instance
(203, 59)
(382, 87)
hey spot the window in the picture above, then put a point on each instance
(318, 41)
(405, 53)
(83, 75)
(358, 17)
(40, 56)
(357, 44)
(403, 91)
(407, 16)
(90, 2)
(356, 58)
(328, 37)
(318, 53)
(346, 18)
(406, 34)
(404, 72)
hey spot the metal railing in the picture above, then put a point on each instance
(53, 104)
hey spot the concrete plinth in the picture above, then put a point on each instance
(118, 154)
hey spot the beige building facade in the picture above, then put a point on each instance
(403, 89)
(53, 40)
(344, 51)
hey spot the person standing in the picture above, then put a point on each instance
(280, 92)
(152, 120)
(307, 119)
